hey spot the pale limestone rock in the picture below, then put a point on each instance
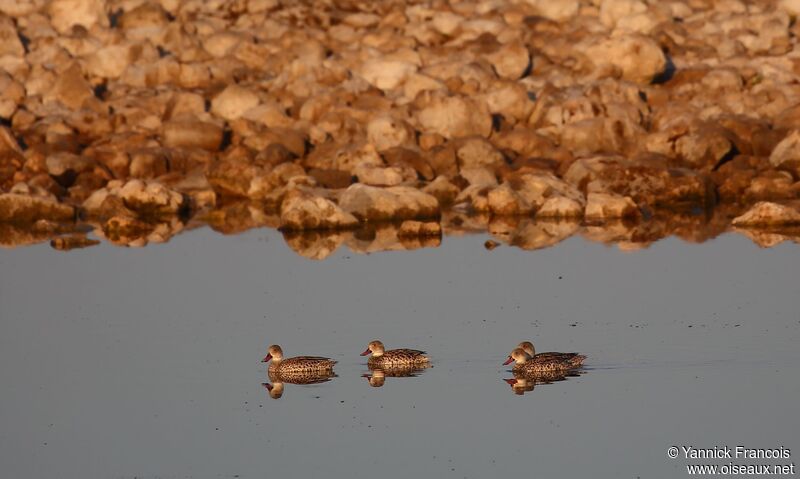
(9, 39)
(442, 189)
(64, 14)
(792, 7)
(765, 213)
(602, 206)
(560, 207)
(560, 10)
(110, 61)
(478, 153)
(386, 74)
(20, 8)
(192, 134)
(511, 60)
(504, 201)
(269, 114)
(453, 117)
(787, 153)
(303, 211)
(639, 58)
(378, 176)
(479, 177)
(418, 82)
(71, 89)
(446, 23)
(612, 11)
(233, 102)
(369, 203)
(385, 132)
(12, 94)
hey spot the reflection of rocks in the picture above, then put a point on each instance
(366, 239)
(127, 231)
(529, 234)
(24, 208)
(304, 211)
(66, 243)
(768, 239)
(237, 217)
(15, 235)
(314, 244)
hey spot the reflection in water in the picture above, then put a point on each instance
(522, 383)
(275, 388)
(377, 376)
(519, 231)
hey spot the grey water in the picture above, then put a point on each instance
(123, 363)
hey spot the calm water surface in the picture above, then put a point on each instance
(144, 363)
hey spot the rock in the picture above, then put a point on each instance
(389, 176)
(71, 89)
(766, 214)
(454, 117)
(511, 61)
(602, 206)
(410, 229)
(64, 14)
(192, 134)
(334, 179)
(303, 211)
(537, 188)
(560, 207)
(478, 153)
(638, 57)
(558, 11)
(233, 102)
(9, 39)
(112, 60)
(443, 190)
(504, 201)
(481, 177)
(612, 11)
(369, 203)
(792, 7)
(25, 208)
(145, 199)
(653, 185)
(786, 154)
(385, 132)
(386, 74)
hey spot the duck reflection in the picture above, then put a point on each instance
(275, 388)
(377, 376)
(523, 383)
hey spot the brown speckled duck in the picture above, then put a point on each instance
(296, 365)
(394, 358)
(530, 363)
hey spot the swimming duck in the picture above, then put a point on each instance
(299, 364)
(394, 357)
(542, 362)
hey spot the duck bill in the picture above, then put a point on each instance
(508, 361)
(365, 352)
(266, 358)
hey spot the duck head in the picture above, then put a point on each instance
(374, 347)
(527, 346)
(274, 353)
(518, 356)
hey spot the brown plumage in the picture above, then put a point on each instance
(379, 375)
(394, 358)
(528, 364)
(296, 365)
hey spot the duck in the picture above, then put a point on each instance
(542, 362)
(296, 365)
(394, 358)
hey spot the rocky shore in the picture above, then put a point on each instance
(383, 125)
